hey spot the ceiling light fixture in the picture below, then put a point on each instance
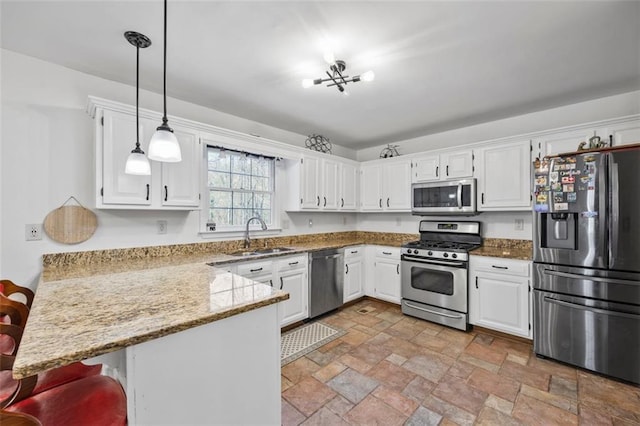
(164, 145)
(137, 162)
(336, 75)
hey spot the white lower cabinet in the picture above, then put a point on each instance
(353, 273)
(386, 270)
(499, 294)
(293, 278)
(289, 274)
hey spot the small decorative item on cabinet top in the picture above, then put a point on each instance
(70, 224)
(389, 151)
(318, 143)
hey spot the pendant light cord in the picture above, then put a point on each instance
(164, 118)
(137, 96)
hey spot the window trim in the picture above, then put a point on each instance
(237, 230)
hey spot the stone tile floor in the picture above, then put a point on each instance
(391, 369)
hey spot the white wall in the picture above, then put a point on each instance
(47, 156)
(494, 224)
(583, 112)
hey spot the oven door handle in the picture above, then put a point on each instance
(589, 308)
(432, 312)
(589, 278)
(459, 195)
(434, 262)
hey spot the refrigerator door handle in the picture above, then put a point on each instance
(615, 214)
(589, 308)
(589, 278)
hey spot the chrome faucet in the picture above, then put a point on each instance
(247, 240)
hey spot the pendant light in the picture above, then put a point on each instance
(137, 162)
(164, 145)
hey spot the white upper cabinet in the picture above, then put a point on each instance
(503, 174)
(348, 187)
(310, 182)
(457, 164)
(426, 168)
(386, 186)
(172, 186)
(181, 181)
(443, 166)
(330, 179)
(371, 187)
(624, 133)
(566, 141)
(316, 183)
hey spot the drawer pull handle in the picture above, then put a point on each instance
(281, 283)
(353, 251)
(388, 253)
(271, 283)
(147, 192)
(255, 270)
(294, 263)
(398, 269)
(499, 267)
(166, 193)
(347, 267)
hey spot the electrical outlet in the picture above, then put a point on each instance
(519, 224)
(162, 227)
(33, 232)
(310, 223)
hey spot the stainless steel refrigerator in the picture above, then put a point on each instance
(586, 297)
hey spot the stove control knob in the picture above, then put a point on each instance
(408, 251)
(415, 252)
(445, 255)
(454, 255)
(429, 253)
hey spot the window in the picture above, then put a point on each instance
(241, 185)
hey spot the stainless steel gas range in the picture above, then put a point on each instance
(435, 272)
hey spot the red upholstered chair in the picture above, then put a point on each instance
(15, 317)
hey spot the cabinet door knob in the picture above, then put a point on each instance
(347, 269)
(281, 283)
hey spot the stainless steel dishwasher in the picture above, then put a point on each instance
(327, 280)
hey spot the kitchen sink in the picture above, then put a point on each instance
(244, 253)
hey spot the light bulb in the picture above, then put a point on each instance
(307, 82)
(164, 147)
(367, 76)
(329, 57)
(137, 164)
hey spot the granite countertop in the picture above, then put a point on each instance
(504, 248)
(91, 303)
(79, 318)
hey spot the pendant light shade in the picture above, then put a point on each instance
(164, 145)
(137, 162)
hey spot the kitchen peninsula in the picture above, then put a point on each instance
(191, 344)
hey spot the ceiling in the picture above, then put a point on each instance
(438, 65)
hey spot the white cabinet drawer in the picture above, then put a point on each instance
(293, 262)
(389, 252)
(252, 269)
(354, 251)
(500, 266)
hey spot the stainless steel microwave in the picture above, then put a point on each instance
(454, 197)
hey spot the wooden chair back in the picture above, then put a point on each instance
(8, 287)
